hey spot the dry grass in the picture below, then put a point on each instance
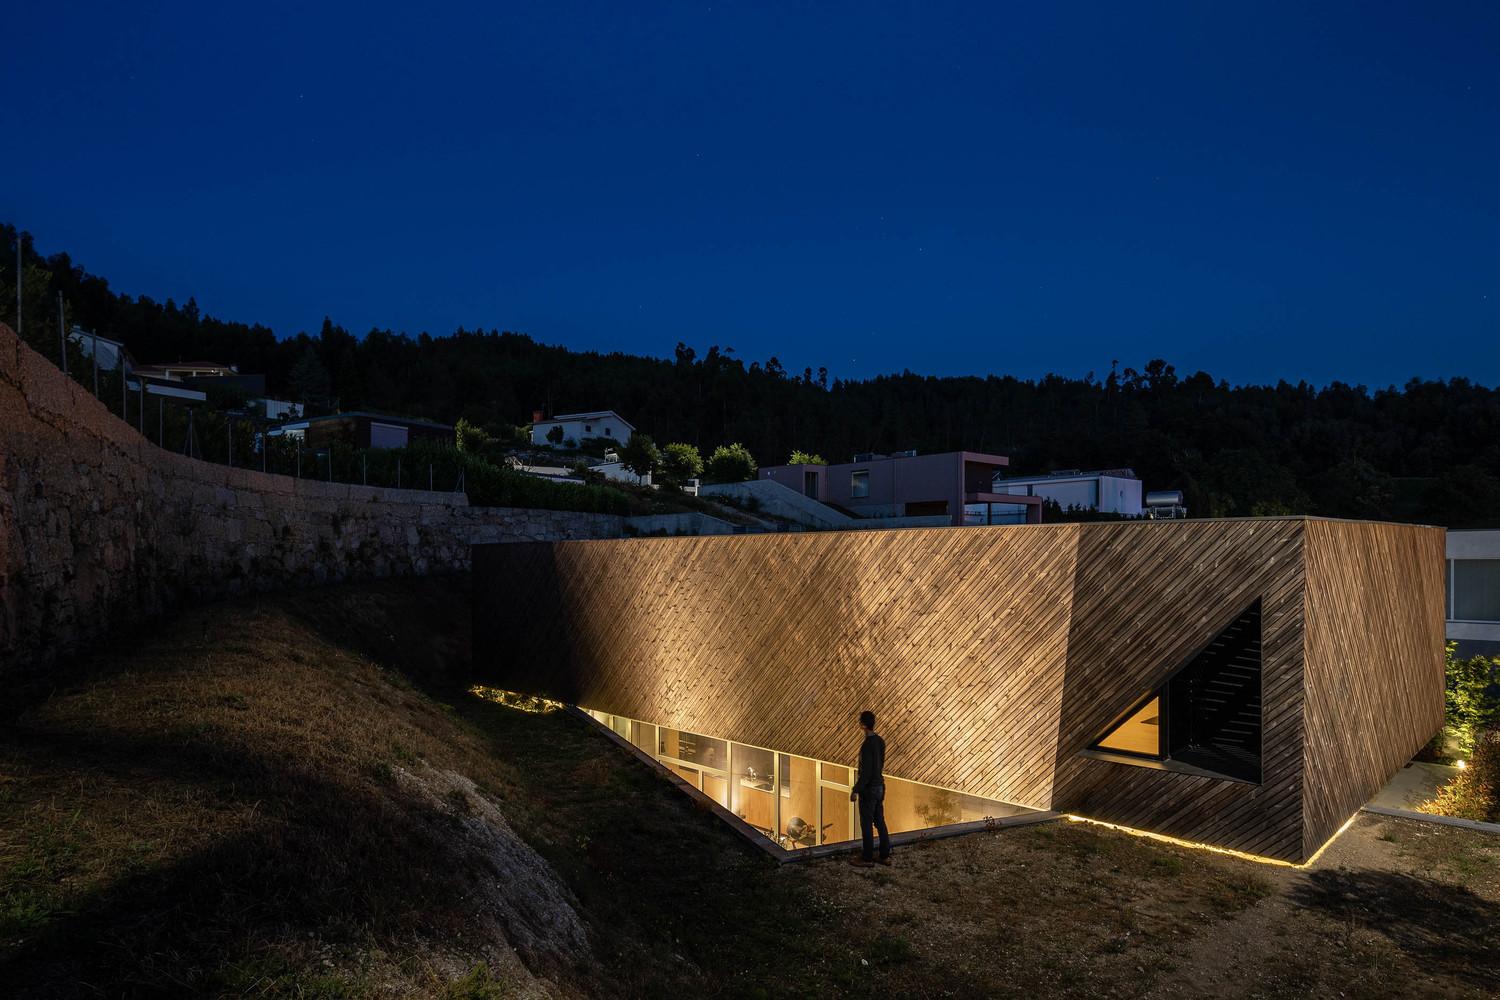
(241, 804)
(287, 797)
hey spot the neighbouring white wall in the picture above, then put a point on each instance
(1114, 494)
(1473, 637)
(577, 430)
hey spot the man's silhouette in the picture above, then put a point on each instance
(869, 789)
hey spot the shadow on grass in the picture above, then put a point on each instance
(1438, 925)
(326, 861)
(677, 901)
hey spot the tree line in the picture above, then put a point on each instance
(1425, 451)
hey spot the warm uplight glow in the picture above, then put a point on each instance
(1462, 764)
(1261, 859)
(534, 704)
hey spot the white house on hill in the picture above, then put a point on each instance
(577, 426)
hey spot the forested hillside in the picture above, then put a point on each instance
(1427, 451)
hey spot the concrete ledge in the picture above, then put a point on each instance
(780, 855)
(1467, 824)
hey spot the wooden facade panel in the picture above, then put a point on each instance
(955, 638)
(993, 656)
(1375, 636)
(1150, 596)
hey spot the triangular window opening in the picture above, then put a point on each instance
(1207, 715)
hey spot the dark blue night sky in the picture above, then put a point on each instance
(1260, 190)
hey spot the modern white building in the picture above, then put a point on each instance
(578, 426)
(1474, 591)
(277, 409)
(112, 353)
(1115, 491)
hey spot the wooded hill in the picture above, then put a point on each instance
(1426, 451)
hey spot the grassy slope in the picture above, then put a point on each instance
(260, 801)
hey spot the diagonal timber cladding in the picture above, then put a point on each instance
(997, 657)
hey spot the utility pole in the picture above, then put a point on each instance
(19, 279)
(62, 334)
(161, 425)
(95, 352)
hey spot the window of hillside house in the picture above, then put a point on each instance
(798, 784)
(1476, 590)
(643, 735)
(609, 432)
(859, 483)
(703, 750)
(752, 789)
(837, 823)
(588, 428)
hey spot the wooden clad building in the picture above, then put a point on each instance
(1241, 683)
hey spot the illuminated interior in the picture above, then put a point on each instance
(795, 802)
(1207, 716)
(1140, 733)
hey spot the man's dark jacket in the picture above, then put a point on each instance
(870, 781)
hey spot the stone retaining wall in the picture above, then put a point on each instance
(100, 529)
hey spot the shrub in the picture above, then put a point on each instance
(487, 484)
(1474, 793)
(491, 486)
(1472, 698)
(471, 437)
(555, 435)
(731, 463)
(800, 457)
(640, 455)
(586, 472)
(680, 462)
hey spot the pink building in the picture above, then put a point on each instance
(955, 484)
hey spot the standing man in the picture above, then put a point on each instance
(869, 789)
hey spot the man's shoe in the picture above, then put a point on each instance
(886, 860)
(860, 862)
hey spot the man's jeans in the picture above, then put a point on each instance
(872, 814)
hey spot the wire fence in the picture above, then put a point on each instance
(236, 435)
(223, 429)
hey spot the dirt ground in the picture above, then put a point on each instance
(1393, 908)
(293, 796)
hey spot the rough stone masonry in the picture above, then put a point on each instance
(101, 529)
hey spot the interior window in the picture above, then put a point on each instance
(859, 483)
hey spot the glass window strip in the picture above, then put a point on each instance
(843, 816)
